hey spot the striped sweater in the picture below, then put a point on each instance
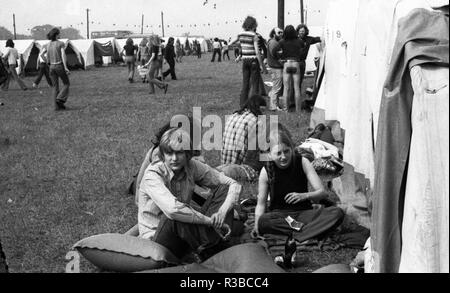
(247, 44)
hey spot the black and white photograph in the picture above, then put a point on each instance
(261, 138)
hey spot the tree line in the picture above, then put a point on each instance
(40, 33)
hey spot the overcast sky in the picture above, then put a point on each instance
(180, 16)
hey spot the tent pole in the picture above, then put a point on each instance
(142, 25)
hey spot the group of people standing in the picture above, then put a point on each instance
(285, 54)
(286, 58)
(52, 64)
(151, 54)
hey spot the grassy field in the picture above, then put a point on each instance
(64, 175)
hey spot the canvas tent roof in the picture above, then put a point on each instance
(74, 57)
(93, 51)
(26, 48)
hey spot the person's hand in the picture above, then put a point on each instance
(295, 197)
(67, 71)
(254, 233)
(218, 219)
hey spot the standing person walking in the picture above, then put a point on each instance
(216, 50)
(225, 50)
(252, 64)
(11, 56)
(178, 51)
(143, 52)
(130, 49)
(169, 55)
(276, 68)
(56, 57)
(199, 50)
(43, 71)
(155, 65)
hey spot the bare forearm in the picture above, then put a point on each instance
(232, 197)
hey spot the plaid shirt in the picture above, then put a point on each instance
(235, 137)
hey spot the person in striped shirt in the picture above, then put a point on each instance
(252, 64)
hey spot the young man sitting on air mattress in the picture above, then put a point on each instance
(165, 213)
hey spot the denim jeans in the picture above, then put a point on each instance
(56, 72)
(171, 69)
(12, 74)
(316, 222)
(43, 71)
(250, 79)
(216, 52)
(180, 237)
(291, 99)
(287, 77)
(277, 87)
(155, 66)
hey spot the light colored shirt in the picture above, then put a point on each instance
(216, 45)
(11, 55)
(160, 192)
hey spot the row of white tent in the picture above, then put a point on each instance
(81, 53)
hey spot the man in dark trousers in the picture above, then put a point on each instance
(169, 55)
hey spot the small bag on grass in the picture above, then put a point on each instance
(124, 253)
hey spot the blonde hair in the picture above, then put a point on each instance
(175, 139)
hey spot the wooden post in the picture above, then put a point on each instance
(281, 14)
(302, 12)
(162, 23)
(14, 25)
(87, 22)
(142, 25)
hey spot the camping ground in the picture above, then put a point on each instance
(64, 175)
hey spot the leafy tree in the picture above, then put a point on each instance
(39, 32)
(70, 33)
(5, 33)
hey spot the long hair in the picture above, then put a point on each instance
(9, 43)
(290, 33)
(130, 41)
(175, 139)
(156, 140)
(250, 23)
(300, 26)
(280, 136)
(143, 42)
(253, 104)
(53, 33)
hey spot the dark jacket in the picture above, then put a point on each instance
(169, 52)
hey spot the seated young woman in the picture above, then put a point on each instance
(285, 177)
